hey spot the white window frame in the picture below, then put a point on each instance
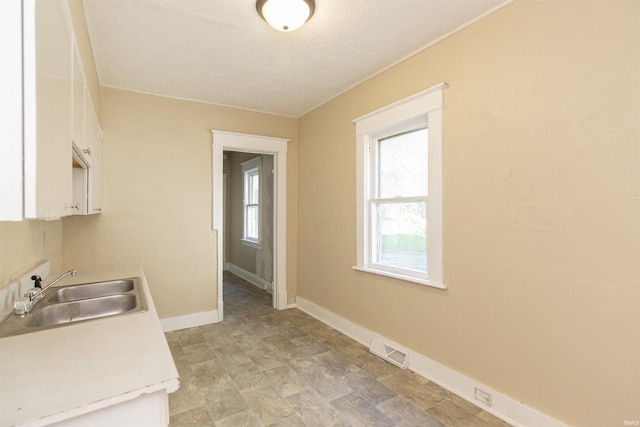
(250, 168)
(374, 199)
(423, 106)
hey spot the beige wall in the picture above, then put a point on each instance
(158, 194)
(541, 211)
(23, 245)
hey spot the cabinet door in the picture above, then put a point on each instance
(47, 109)
(11, 111)
(95, 171)
(78, 88)
(89, 134)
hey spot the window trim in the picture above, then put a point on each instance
(426, 105)
(248, 167)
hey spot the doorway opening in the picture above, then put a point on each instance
(256, 145)
(248, 217)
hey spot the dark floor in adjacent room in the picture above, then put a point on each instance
(263, 367)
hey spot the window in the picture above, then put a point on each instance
(399, 189)
(398, 202)
(251, 202)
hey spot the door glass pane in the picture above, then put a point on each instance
(402, 165)
(400, 237)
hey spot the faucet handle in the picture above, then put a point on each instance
(21, 306)
(32, 293)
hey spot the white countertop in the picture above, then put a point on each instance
(60, 373)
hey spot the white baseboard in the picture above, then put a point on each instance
(189, 320)
(350, 329)
(503, 407)
(249, 277)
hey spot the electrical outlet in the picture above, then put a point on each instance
(483, 396)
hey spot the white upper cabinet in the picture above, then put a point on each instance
(90, 127)
(41, 114)
(87, 165)
(47, 44)
(79, 89)
(11, 190)
(95, 171)
(35, 44)
(87, 144)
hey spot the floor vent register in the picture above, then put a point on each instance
(390, 352)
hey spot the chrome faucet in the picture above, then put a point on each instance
(37, 294)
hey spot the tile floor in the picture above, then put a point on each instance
(263, 367)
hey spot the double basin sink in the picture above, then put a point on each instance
(65, 305)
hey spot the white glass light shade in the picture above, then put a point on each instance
(285, 15)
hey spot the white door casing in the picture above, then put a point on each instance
(246, 143)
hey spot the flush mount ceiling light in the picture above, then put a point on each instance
(285, 15)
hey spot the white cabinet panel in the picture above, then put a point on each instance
(47, 109)
(87, 141)
(36, 108)
(78, 88)
(90, 121)
(148, 410)
(87, 177)
(95, 171)
(11, 111)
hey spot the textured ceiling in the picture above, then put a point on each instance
(222, 52)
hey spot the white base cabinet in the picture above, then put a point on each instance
(114, 371)
(148, 410)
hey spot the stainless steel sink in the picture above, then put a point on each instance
(82, 310)
(73, 304)
(91, 290)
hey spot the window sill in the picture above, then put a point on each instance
(425, 282)
(251, 243)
